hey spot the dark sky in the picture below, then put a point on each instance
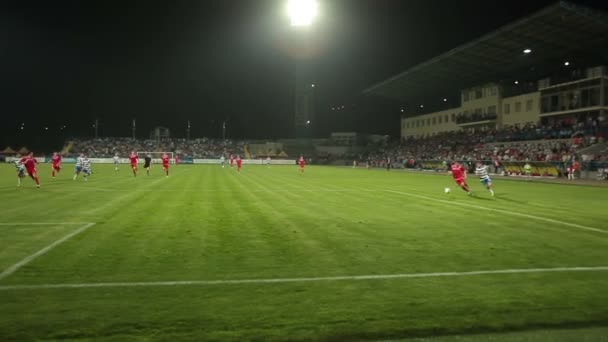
(66, 63)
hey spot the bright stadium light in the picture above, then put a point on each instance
(566, 63)
(301, 12)
(527, 51)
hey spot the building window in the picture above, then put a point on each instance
(517, 107)
(529, 105)
(478, 93)
(428, 121)
(465, 96)
(446, 119)
(492, 110)
(507, 109)
(434, 120)
(440, 119)
(488, 91)
(493, 91)
(453, 117)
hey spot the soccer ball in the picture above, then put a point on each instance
(446, 190)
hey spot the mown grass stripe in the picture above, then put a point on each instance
(12, 269)
(514, 213)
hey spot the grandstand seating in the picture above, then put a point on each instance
(196, 148)
(556, 142)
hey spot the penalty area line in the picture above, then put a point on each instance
(12, 269)
(304, 280)
(534, 217)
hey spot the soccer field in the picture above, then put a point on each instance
(269, 254)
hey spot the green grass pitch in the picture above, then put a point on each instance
(205, 224)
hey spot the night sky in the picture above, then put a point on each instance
(66, 63)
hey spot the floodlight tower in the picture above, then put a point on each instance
(302, 13)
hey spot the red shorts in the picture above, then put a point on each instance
(56, 167)
(134, 166)
(301, 166)
(165, 166)
(460, 181)
(31, 172)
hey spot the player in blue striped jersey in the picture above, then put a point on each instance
(482, 171)
(116, 162)
(78, 166)
(86, 168)
(20, 172)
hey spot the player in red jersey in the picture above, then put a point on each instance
(133, 160)
(239, 162)
(231, 160)
(460, 175)
(176, 159)
(165, 159)
(30, 166)
(301, 162)
(55, 164)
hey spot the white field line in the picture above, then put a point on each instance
(40, 223)
(304, 280)
(513, 213)
(231, 191)
(44, 250)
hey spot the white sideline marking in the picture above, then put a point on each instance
(44, 250)
(39, 223)
(540, 218)
(302, 280)
(231, 191)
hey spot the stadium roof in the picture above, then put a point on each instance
(555, 34)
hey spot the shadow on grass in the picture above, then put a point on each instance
(503, 197)
(480, 198)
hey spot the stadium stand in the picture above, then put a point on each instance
(196, 148)
(560, 142)
(513, 94)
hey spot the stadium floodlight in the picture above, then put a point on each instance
(301, 12)
(566, 63)
(312, 85)
(527, 51)
(516, 82)
(308, 122)
(445, 100)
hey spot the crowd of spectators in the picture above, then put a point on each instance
(555, 141)
(196, 148)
